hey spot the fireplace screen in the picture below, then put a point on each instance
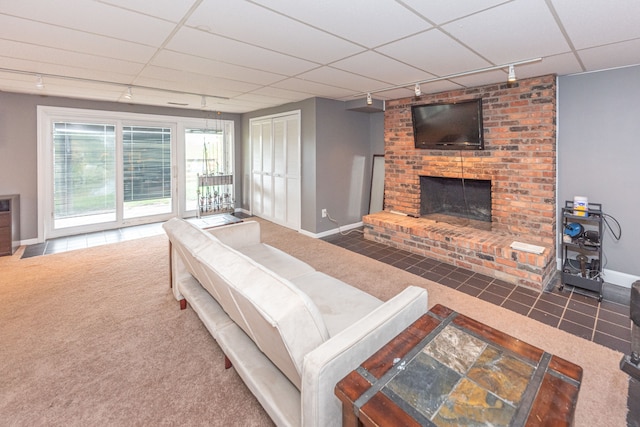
(464, 198)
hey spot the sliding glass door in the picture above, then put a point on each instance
(84, 174)
(104, 173)
(147, 171)
(101, 170)
(209, 153)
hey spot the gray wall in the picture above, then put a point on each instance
(599, 154)
(337, 152)
(18, 145)
(344, 156)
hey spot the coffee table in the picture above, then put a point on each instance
(447, 369)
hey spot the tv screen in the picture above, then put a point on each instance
(455, 126)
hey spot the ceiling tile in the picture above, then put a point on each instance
(191, 82)
(354, 20)
(94, 18)
(434, 52)
(72, 40)
(519, 30)
(338, 78)
(169, 10)
(71, 73)
(565, 63)
(253, 24)
(611, 56)
(595, 22)
(442, 11)
(382, 68)
(206, 45)
(85, 64)
(317, 89)
(195, 64)
(283, 94)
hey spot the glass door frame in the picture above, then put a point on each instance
(226, 125)
(46, 116)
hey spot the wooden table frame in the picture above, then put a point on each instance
(549, 400)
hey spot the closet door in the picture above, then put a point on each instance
(276, 169)
(260, 130)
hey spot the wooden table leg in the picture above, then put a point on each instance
(349, 418)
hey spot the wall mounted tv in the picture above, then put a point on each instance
(453, 126)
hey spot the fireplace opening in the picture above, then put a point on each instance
(448, 199)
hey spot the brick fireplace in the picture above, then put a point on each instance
(519, 162)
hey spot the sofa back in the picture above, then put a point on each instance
(283, 321)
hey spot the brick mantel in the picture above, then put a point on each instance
(519, 158)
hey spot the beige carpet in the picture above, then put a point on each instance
(94, 337)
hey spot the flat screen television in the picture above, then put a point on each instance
(453, 126)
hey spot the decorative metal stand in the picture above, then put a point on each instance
(215, 191)
(214, 194)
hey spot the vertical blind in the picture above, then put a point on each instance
(84, 163)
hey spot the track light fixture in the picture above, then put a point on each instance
(128, 95)
(512, 74)
(417, 89)
(369, 99)
(416, 85)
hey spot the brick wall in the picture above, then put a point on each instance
(519, 156)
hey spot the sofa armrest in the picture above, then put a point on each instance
(238, 235)
(335, 358)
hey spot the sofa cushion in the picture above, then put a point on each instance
(238, 235)
(281, 319)
(245, 238)
(341, 305)
(277, 261)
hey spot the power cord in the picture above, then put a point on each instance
(606, 222)
(339, 230)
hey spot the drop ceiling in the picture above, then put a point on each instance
(240, 56)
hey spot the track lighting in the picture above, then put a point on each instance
(128, 95)
(512, 74)
(369, 100)
(39, 82)
(418, 91)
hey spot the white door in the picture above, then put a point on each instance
(275, 169)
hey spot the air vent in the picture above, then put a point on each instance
(181, 104)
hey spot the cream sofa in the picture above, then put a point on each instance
(291, 332)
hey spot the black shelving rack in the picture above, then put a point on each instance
(582, 254)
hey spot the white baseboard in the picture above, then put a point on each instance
(619, 278)
(342, 228)
(29, 242)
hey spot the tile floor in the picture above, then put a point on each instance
(606, 323)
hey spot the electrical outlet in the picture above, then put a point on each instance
(324, 213)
